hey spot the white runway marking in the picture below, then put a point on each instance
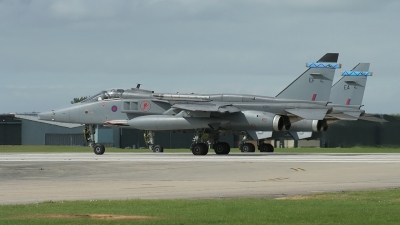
(188, 157)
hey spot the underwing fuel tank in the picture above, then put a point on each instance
(247, 120)
(167, 122)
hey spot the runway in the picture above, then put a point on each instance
(38, 177)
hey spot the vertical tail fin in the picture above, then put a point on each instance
(316, 82)
(349, 90)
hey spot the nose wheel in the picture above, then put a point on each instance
(88, 133)
(149, 137)
(99, 149)
(158, 148)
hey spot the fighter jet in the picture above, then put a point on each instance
(346, 101)
(207, 115)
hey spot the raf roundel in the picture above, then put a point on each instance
(114, 108)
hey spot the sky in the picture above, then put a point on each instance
(52, 51)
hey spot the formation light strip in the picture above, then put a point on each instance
(356, 73)
(324, 65)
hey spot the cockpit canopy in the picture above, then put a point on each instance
(110, 94)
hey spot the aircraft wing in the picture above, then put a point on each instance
(222, 108)
(309, 114)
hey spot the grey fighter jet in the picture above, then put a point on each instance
(208, 115)
(346, 101)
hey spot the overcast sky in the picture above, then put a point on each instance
(53, 51)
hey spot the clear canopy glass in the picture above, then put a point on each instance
(104, 95)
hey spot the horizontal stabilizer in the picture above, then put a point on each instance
(343, 116)
(309, 114)
(257, 135)
(353, 113)
(300, 135)
(371, 118)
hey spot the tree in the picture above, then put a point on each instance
(76, 100)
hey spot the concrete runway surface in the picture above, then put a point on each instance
(38, 177)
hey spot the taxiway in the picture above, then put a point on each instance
(38, 177)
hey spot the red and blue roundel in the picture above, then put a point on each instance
(114, 108)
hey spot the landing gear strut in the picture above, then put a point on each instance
(245, 146)
(198, 147)
(88, 133)
(149, 140)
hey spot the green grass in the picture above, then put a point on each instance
(24, 148)
(362, 207)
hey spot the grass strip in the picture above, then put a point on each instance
(361, 207)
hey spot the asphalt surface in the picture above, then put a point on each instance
(38, 177)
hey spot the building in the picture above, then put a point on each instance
(26, 129)
(10, 130)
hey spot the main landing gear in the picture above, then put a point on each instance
(198, 146)
(88, 133)
(249, 147)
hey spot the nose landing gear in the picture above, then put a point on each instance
(88, 133)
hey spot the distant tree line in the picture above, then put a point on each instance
(76, 100)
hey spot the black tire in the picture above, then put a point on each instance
(248, 147)
(263, 147)
(222, 148)
(158, 149)
(199, 149)
(228, 147)
(219, 148)
(99, 149)
(270, 148)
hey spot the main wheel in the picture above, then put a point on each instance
(219, 148)
(228, 147)
(222, 148)
(270, 148)
(99, 149)
(158, 148)
(248, 147)
(263, 147)
(199, 149)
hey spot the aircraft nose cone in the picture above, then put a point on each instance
(60, 115)
(49, 116)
